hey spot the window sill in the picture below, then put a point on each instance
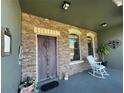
(76, 62)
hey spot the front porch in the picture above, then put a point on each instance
(46, 42)
(85, 83)
(51, 47)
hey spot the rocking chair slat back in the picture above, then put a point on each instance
(91, 60)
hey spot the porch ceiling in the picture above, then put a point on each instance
(81, 13)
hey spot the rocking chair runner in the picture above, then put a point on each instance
(98, 69)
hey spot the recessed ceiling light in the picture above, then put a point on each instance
(65, 5)
(104, 24)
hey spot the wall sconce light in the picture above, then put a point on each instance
(65, 5)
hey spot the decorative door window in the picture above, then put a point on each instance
(6, 44)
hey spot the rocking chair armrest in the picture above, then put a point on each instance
(99, 62)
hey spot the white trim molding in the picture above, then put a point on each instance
(77, 32)
(74, 31)
(76, 62)
(93, 38)
(46, 32)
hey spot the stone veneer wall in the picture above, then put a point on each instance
(29, 45)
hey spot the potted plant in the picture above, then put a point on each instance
(29, 85)
(103, 51)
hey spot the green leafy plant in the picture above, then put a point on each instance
(27, 82)
(103, 51)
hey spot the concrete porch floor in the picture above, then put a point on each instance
(85, 83)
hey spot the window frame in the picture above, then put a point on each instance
(79, 42)
(93, 42)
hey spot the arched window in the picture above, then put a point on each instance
(74, 47)
(91, 46)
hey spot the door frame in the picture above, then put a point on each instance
(57, 64)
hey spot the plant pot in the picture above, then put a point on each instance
(104, 63)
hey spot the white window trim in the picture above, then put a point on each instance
(76, 62)
(77, 32)
(93, 42)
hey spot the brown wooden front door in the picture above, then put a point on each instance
(47, 65)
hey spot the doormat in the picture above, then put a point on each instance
(49, 86)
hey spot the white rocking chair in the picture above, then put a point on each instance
(98, 70)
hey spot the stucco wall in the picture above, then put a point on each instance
(11, 70)
(29, 45)
(115, 59)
